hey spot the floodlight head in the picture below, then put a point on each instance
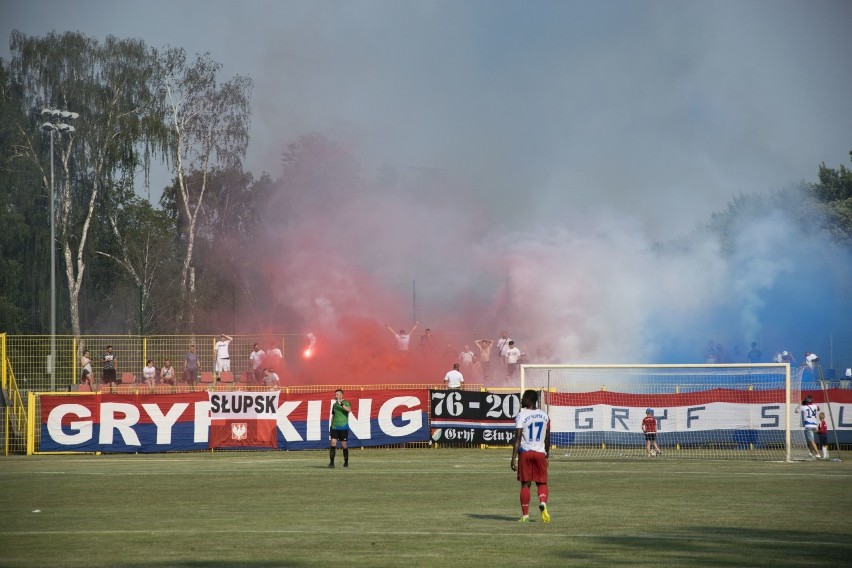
(73, 115)
(65, 113)
(46, 111)
(48, 126)
(62, 127)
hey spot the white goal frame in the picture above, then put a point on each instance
(527, 381)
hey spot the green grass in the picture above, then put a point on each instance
(439, 507)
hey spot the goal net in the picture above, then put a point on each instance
(701, 411)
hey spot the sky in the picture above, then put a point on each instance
(576, 135)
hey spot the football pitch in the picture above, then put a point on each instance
(417, 507)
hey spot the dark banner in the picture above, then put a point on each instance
(468, 417)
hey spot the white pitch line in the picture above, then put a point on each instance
(480, 471)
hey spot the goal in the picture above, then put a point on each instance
(746, 411)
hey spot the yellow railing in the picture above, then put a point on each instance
(19, 411)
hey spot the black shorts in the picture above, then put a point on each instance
(341, 435)
(823, 438)
(109, 376)
(651, 436)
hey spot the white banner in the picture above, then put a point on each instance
(238, 404)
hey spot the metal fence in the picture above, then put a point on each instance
(29, 355)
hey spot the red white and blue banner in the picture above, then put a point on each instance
(182, 422)
(243, 419)
(711, 409)
(740, 417)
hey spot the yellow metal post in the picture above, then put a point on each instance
(3, 378)
(30, 423)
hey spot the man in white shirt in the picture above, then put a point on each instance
(513, 359)
(454, 379)
(402, 338)
(270, 378)
(502, 346)
(256, 360)
(811, 359)
(223, 357)
(274, 357)
(466, 358)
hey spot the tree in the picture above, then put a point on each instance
(226, 231)
(834, 191)
(109, 85)
(208, 126)
(23, 239)
(143, 248)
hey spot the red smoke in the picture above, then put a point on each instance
(363, 352)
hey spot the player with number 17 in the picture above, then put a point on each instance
(530, 453)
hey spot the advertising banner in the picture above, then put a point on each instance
(706, 410)
(182, 422)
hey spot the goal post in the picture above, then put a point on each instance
(723, 411)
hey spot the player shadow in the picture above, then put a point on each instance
(717, 546)
(491, 517)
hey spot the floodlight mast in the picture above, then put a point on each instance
(53, 125)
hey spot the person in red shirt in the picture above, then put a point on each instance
(649, 427)
(822, 432)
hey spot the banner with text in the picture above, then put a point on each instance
(469, 417)
(138, 423)
(748, 416)
(243, 419)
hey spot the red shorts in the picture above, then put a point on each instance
(532, 466)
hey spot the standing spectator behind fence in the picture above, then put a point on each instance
(167, 373)
(402, 338)
(86, 365)
(110, 361)
(711, 354)
(485, 346)
(427, 345)
(223, 357)
(149, 373)
(274, 358)
(513, 359)
(256, 359)
(466, 358)
(190, 366)
(270, 378)
(503, 345)
(454, 379)
(754, 354)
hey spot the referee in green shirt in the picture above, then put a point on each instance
(339, 428)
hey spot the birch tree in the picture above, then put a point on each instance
(208, 126)
(109, 86)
